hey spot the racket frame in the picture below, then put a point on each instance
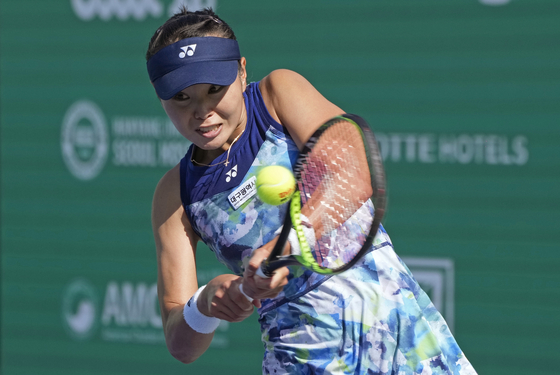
(377, 176)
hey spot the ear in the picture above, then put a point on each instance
(243, 73)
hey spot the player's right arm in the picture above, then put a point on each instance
(176, 258)
(176, 250)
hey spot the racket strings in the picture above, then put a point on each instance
(335, 183)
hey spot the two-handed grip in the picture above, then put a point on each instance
(258, 273)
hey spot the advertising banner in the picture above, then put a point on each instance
(463, 96)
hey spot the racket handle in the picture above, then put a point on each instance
(242, 292)
(261, 273)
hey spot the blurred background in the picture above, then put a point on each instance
(463, 95)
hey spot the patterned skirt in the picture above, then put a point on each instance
(371, 319)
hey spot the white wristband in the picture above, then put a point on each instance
(197, 320)
(242, 292)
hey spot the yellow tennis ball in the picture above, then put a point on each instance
(275, 184)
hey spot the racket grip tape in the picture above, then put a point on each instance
(259, 273)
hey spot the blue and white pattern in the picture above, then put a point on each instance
(371, 319)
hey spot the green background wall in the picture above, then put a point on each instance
(464, 96)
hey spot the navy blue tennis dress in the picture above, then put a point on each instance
(371, 319)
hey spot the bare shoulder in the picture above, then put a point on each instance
(278, 78)
(167, 207)
(168, 189)
(295, 103)
(283, 84)
(170, 179)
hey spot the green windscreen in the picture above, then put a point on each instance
(463, 96)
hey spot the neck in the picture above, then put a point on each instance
(202, 158)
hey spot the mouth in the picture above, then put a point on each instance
(209, 131)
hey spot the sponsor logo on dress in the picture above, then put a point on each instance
(243, 193)
(232, 173)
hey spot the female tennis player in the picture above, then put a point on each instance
(371, 319)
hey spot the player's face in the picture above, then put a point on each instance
(210, 116)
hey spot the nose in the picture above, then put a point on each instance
(203, 109)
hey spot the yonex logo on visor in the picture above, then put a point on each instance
(215, 62)
(187, 50)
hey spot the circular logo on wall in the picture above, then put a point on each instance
(84, 140)
(80, 306)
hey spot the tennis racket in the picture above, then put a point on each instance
(339, 202)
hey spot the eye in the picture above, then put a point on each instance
(215, 89)
(180, 96)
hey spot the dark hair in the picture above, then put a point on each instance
(185, 24)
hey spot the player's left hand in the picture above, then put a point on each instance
(258, 287)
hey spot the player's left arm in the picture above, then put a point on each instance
(295, 103)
